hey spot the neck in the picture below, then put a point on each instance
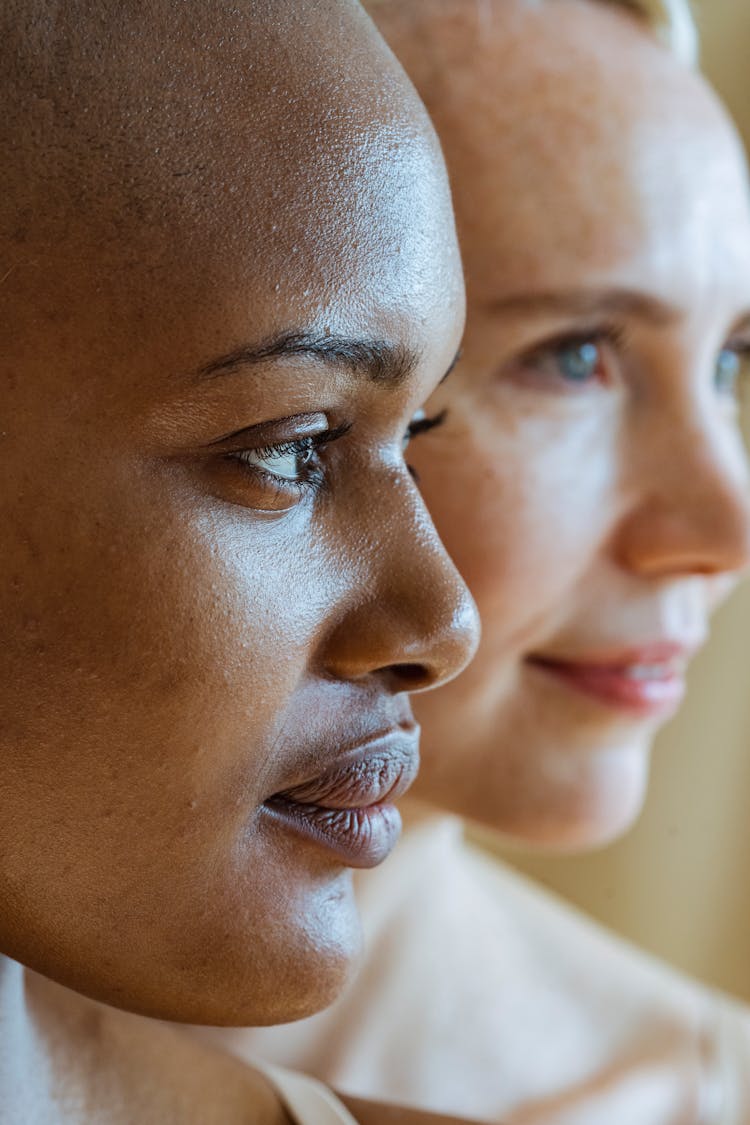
(24, 1058)
(66, 1059)
(415, 813)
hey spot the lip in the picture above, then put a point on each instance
(647, 681)
(348, 809)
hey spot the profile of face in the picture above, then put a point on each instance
(231, 274)
(589, 479)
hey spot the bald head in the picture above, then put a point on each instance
(152, 137)
(127, 120)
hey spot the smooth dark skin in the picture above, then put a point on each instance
(184, 635)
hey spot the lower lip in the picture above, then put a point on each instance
(361, 837)
(652, 698)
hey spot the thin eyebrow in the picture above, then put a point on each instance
(378, 360)
(584, 303)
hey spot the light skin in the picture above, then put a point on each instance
(204, 602)
(589, 479)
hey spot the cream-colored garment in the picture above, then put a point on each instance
(307, 1101)
(483, 997)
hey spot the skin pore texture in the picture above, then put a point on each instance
(589, 480)
(229, 280)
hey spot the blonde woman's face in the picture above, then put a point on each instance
(589, 479)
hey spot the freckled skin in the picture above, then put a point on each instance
(582, 155)
(173, 652)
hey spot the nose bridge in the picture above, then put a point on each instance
(413, 618)
(691, 500)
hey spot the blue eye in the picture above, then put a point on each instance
(582, 362)
(579, 363)
(730, 366)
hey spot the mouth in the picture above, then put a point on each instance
(648, 682)
(348, 810)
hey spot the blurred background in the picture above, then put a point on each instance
(679, 883)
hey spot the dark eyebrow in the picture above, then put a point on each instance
(378, 360)
(584, 303)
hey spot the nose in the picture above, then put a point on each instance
(411, 621)
(692, 513)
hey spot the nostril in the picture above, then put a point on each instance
(412, 676)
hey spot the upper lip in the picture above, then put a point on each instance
(376, 770)
(658, 652)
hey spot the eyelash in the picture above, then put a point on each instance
(313, 444)
(313, 476)
(423, 425)
(417, 427)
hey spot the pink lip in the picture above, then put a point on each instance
(348, 809)
(648, 681)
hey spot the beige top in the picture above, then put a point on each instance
(306, 1101)
(482, 996)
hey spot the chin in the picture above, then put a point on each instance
(296, 969)
(593, 802)
(278, 961)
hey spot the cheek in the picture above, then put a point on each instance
(523, 509)
(155, 640)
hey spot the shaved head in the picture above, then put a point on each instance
(126, 120)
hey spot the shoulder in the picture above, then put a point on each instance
(377, 1113)
(132, 1068)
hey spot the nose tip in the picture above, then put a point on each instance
(710, 538)
(414, 624)
(693, 516)
(440, 657)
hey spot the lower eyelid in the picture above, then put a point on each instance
(259, 490)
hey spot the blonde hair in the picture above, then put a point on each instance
(672, 21)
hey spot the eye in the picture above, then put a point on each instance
(289, 462)
(279, 475)
(576, 362)
(579, 363)
(732, 367)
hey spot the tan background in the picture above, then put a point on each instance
(679, 883)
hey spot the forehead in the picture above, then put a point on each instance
(264, 155)
(577, 144)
